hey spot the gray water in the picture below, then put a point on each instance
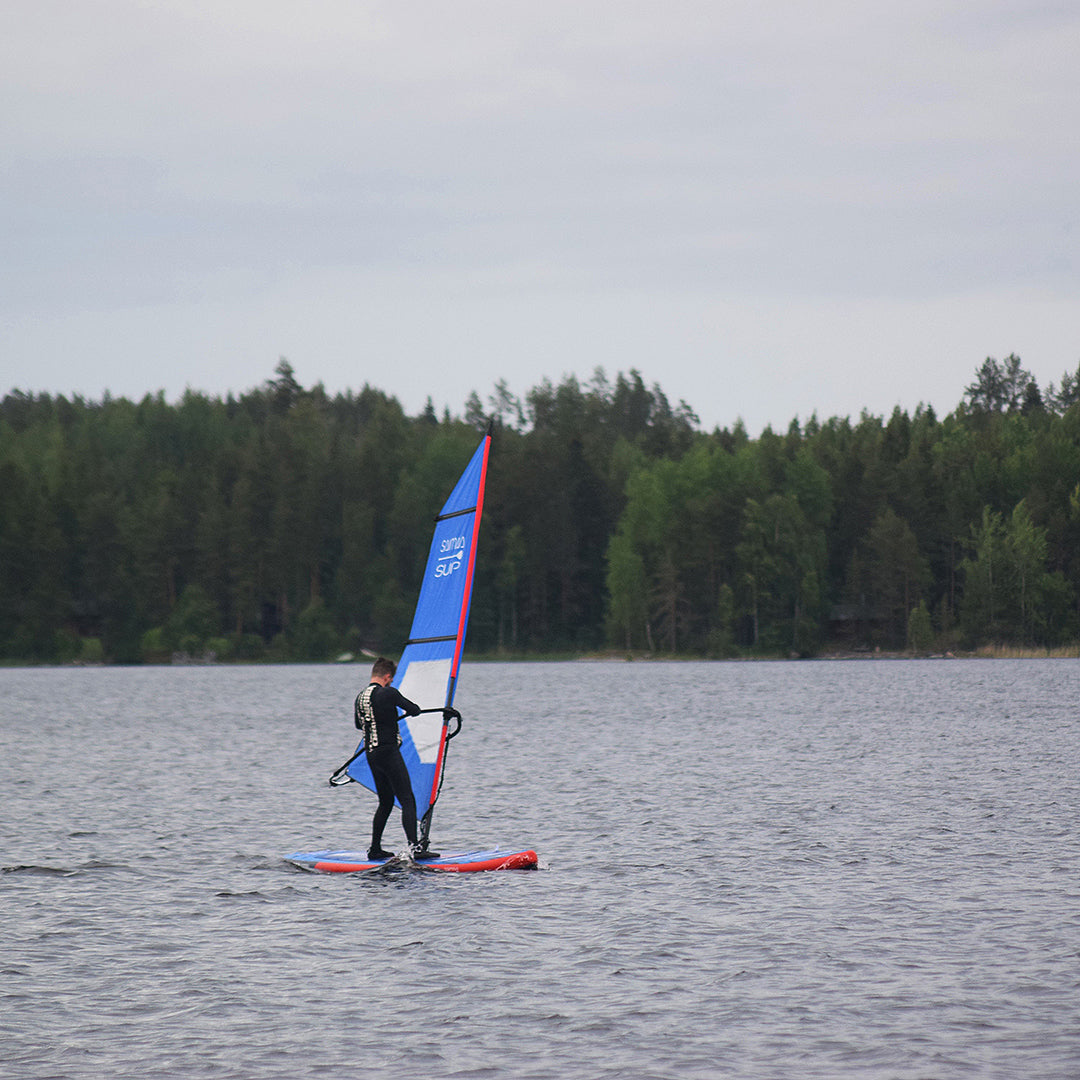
(852, 869)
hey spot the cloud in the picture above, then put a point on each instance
(266, 178)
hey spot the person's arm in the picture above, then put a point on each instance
(402, 702)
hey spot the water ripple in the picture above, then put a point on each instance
(752, 871)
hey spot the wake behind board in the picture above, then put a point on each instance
(351, 862)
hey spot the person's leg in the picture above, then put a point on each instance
(397, 774)
(384, 788)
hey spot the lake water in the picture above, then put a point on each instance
(762, 870)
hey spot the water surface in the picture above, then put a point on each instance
(864, 869)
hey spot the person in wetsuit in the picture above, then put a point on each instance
(376, 714)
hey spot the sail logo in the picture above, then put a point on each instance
(451, 556)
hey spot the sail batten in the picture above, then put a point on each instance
(456, 513)
(428, 669)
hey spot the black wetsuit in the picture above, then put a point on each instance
(376, 713)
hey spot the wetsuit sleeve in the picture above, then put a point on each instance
(403, 703)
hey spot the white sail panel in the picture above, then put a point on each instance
(426, 682)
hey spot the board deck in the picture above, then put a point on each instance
(351, 862)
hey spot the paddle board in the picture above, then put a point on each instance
(351, 862)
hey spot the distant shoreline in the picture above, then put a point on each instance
(986, 652)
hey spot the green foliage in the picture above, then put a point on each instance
(889, 577)
(721, 639)
(67, 646)
(154, 647)
(1007, 583)
(194, 620)
(920, 629)
(626, 583)
(1002, 387)
(286, 524)
(91, 651)
(315, 637)
(246, 647)
(219, 648)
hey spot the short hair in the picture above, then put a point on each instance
(382, 666)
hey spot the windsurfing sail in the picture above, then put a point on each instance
(427, 672)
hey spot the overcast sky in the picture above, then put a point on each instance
(768, 208)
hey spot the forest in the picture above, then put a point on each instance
(287, 524)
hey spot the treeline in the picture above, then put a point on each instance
(289, 524)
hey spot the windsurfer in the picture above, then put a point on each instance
(376, 715)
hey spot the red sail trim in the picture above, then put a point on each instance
(440, 760)
(469, 578)
(462, 620)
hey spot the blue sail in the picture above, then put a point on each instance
(428, 669)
